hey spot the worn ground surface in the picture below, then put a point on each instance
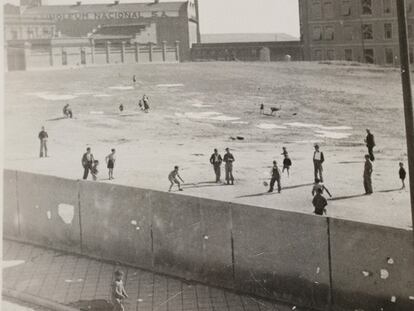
(85, 284)
(196, 107)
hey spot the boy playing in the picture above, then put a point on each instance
(287, 163)
(318, 185)
(403, 174)
(320, 203)
(94, 170)
(118, 293)
(172, 177)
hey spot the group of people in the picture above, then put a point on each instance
(143, 104)
(90, 164)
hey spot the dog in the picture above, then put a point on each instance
(274, 109)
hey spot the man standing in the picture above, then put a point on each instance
(216, 161)
(229, 159)
(320, 203)
(275, 178)
(370, 141)
(318, 159)
(87, 161)
(367, 175)
(43, 142)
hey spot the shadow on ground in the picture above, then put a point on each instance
(92, 305)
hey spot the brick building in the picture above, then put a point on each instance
(353, 30)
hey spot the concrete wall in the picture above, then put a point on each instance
(317, 262)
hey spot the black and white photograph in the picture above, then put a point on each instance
(207, 155)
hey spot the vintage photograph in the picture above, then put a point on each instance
(208, 155)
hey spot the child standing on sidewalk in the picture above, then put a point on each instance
(118, 293)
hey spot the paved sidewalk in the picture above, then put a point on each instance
(84, 283)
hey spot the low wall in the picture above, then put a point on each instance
(316, 262)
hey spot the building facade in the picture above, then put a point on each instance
(353, 30)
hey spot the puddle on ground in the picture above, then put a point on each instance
(269, 126)
(224, 118)
(207, 115)
(199, 105)
(96, 112)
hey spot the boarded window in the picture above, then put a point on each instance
(367, 32)
(330, 54)
(386, 5)
(388, 31)
(317, 33)
(316, 9)
(348, 33)
(328, 9)
(329, 33)
(346, 8)
(348, 55)
(366, 7)
(389, 56)
(369, 56)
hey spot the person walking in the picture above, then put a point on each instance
(367, 175)
(261, 108)
(87, 162)
(320, 203)
(43, 142)
(228, 160)
(216, 161)
(318, 159)
(118, 293)
(318, 185)
(287, 162)
(110, 163)
(370, 141)
(275, 173)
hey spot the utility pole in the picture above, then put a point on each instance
(407, 95)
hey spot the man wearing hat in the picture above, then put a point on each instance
(216, 161)
(318, 159)
(229, 159)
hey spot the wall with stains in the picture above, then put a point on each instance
(317, 262)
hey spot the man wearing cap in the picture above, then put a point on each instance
(275, 178)
(216, 161)
(229, 159)
(318, 159)
(370, 141)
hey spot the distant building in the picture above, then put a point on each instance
(353, 30)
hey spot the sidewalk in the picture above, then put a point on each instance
(84, 284)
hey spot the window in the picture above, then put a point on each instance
(346, 7)
(316, 9)
(369, 56)
(329, 33)
(386, 5)
(366, 7)
(328, 9)
(367, 31)
(330, 54)
(348, 33)
(348, 55)
(317, 34)
(388, 31)
(317, 54)
(389, 56)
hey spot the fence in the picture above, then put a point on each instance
(322, 263)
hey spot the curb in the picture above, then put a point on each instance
(36, 300)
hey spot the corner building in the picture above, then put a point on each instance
(353, 30)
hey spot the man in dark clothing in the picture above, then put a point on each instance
(318, 159)
(43, 142)
(370, 141)
(367, 175)
(87, 161)
(275, 178)
(402, 174)
(320, 203)
(216, 161)
(229, 159)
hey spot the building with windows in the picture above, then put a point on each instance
(353, 30)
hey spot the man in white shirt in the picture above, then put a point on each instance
(318, 159)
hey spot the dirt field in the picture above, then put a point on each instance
(196, 107)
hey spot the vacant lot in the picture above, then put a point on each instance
(198, 107)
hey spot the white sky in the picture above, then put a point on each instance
(235, 16)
